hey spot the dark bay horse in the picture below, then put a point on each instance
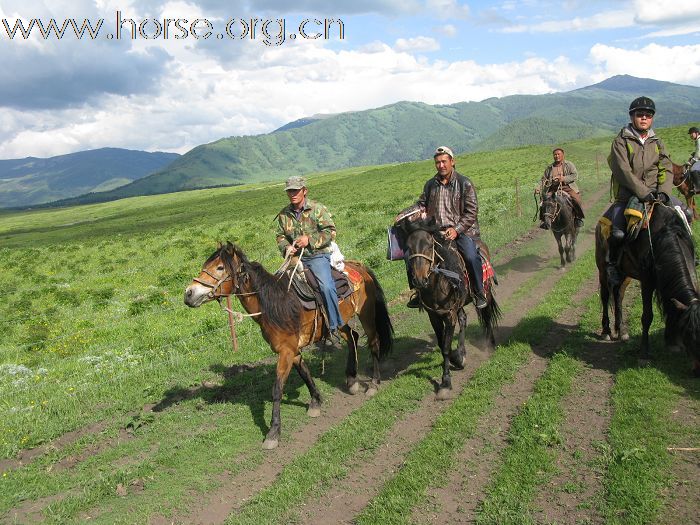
(558, 215)
(287, 327)
(661, 258)
(436, 269)
(682, 181)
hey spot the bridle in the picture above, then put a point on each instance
(212, 293)
(430, 258)
(557, 209)
(213, 288)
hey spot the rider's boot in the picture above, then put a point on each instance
(615, 242)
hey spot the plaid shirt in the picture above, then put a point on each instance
(314, 220)
(453, 204)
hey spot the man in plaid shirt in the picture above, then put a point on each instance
(450, 197)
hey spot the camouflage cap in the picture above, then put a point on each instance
(443, 150)
(295, 183)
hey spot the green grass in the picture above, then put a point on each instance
(92, 330)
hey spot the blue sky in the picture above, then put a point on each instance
(63, 95)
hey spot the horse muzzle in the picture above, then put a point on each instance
(196, 295)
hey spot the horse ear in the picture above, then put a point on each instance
(679, 305)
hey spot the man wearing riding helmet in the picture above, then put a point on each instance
(641, 167)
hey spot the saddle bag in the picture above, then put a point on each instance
(394, 250)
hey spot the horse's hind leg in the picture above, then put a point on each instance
(302, 368)
(606, 334)
(352, 338)
(458, 356)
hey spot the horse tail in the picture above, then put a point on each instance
(382, 321)
(489, 316)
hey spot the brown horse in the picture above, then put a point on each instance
(661, 258)
(682, 181)
(436, 271)
(287, 327)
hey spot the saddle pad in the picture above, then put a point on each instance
(343, 287)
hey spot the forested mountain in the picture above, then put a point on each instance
(407, 131)
(32, 180)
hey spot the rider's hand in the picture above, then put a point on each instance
(663, 197)
(302, 241)
(291, 249)
(649, 197)
(451, 234)
(537, 191)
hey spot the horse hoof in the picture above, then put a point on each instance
(270, 444)
(643, 362)
(371, 391)
(605, 337)
(443, 394)
(624, 337)
(458, 361)
(313, 412)
(354, 388)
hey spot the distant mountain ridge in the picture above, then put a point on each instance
(408, 131)
(32, 180)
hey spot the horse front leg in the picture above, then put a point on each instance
(302, 368)
(446, 346)
(561, 251)
(284, 365)
(458, 357)
(605, 333)
(647, 318)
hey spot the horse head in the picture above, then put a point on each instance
(419, 245)
(220, 276)
(551, 208)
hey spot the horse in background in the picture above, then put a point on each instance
(558, 216)
(437, 268)
(287, 327)
(688, 187)
(662, 259)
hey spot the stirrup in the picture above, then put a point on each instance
(414, 301)
(480, 300)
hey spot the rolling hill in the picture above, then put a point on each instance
(407, 131)
(30, 181)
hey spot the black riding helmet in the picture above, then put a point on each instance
(644, 104)
(693, 130)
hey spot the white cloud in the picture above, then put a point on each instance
(605, 20)
(448, 30)
(446, 9)
(679, 64)
(419, 44)
(200, 101)
(661, 12)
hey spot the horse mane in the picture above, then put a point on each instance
(673, 277)
(279, 307)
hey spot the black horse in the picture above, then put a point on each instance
(558, 216)
(662, 259)
(437, 272)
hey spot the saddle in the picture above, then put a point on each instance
(456, 269)
(306, 286)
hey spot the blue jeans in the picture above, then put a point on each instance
(320, 266)
(468, 248)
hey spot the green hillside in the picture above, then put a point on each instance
(31, 180)
(408, 131)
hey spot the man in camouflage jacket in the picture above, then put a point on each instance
(308, 225)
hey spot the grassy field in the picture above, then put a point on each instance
(109, 384)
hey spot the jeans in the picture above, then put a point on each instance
(468, 248)
(320, 266)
